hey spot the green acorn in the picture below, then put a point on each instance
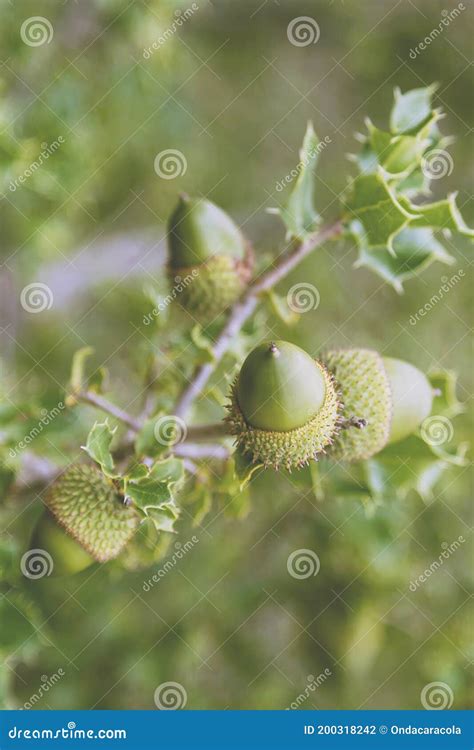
(88, 506)
(210, 262)
(412, 396)
(67, 555)
(284, 407)
(366, 395)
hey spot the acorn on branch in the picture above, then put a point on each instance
(210, 262)
(93, 515)
(287, 408)
(284, 407)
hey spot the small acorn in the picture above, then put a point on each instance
(87, 505)
(284, 406)
(67, 555)
(412, 397)
(210, 262)
(365, 393)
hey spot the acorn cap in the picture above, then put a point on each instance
(88, 506)
(199, 230)
(284, 406)
(412, 397)
(68, 556)
(366, 395)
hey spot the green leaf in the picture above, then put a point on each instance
(98, 447)
(399, 154)
(150, 490)
(146, 443)
(414, 249)
(281, 309)
(299, 214)
(374, 205)
(147, 493)
(443, 214)
(412, 109)
(445, 401)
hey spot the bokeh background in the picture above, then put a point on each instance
(233, 95)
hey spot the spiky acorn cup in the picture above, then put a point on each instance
(87, 505)
(284, 407)
(210, 262)
(366, 395)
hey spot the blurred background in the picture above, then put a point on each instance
(227, 89)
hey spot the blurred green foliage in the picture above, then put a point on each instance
(228, 90)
